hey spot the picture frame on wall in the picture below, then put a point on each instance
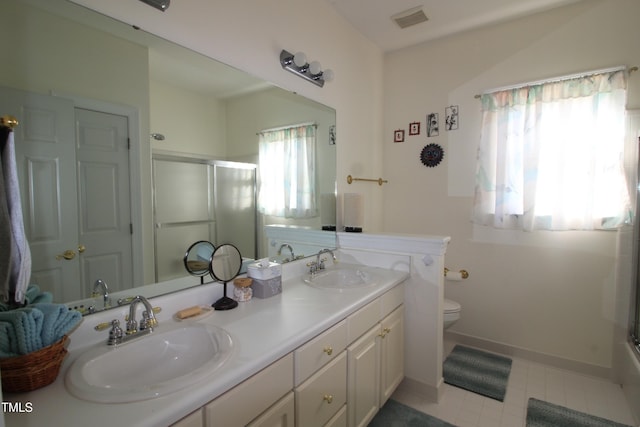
(398, 135)
(414, 128)
(433, 127)
(451, 120)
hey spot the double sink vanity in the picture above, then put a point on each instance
(328, 350)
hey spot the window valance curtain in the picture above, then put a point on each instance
(287, 170)
(551, 156)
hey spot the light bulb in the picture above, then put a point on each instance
(300, 59)
(328, 75)
(315, 67)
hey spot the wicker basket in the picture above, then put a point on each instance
(34, 370)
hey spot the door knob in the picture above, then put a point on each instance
(68, 255)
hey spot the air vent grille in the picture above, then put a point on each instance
(410, 17)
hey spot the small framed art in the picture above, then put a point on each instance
(414, 128)
(398, 135)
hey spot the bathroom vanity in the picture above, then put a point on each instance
(309, 356)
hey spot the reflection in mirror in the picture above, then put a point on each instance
(225, 265)
(86, 157)
(197, 258)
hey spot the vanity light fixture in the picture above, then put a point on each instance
(297, 64)
(162, 5)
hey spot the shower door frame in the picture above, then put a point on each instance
(634, 318)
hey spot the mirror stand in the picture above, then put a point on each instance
(224, 266)
(225, 303)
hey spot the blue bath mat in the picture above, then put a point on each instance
(545, 414)
(395, 414)
(477, 371)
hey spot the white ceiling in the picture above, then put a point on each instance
(372, 18)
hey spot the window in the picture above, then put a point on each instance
(287, 158)
(551, 156)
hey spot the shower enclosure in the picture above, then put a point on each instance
(626, 352)
(196, 199)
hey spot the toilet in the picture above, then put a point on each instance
(451, 312)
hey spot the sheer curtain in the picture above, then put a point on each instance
(287, 170)
(551, 156)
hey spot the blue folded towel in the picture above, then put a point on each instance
(35, 296)
(27, 326)
(58, 321)
(28, 329)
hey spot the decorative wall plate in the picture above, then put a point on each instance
(431, 155)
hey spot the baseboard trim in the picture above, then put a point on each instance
(533, 356)
(431, 393)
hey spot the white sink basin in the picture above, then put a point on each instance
(150, 366)
(343, 277)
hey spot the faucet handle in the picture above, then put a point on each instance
(132, 326)
(147, 321)
(313, 267)
(115, 334)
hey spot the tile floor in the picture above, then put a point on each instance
(462, 408)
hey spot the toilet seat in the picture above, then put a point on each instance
(451, 313)
(451, 307)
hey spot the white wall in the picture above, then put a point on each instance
(551, 293)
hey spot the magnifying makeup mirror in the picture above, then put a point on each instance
(224, 266)
(197, 258)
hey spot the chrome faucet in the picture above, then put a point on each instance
(148, 320)
(319, 263)
(101, 285)
(287, 246)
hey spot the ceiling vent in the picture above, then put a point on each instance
(410, 17)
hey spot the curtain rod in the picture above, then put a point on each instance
(559, 79)
(314, 124)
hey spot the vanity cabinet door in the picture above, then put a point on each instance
(192, 420)
(281, 414)
(392, 353)
(363, 384)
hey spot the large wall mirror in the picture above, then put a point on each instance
(130, 148)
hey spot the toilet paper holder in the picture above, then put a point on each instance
(462, 274)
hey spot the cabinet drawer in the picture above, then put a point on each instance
(392, 299)
(320, 397)
(362, 320)
(281, 414)
(316, 353)
(241, 404)
(192, 420)
(339, 419)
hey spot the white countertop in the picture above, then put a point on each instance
(263, 331)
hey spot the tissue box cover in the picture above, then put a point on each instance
(256, 271)
(265, 288)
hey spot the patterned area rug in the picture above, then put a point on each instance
(545, 414)
(395, 414)
(477, 371)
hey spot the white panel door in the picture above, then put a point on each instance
(45, 156)
(104, 200)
